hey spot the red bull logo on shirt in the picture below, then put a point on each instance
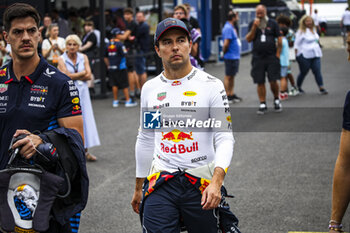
(176, 136)
(3, 72)
(176, 83)
(179, 148)
(112, 48)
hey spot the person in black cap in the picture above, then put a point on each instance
(116, 63)
(184, 172)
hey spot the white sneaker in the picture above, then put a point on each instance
(278, 105)
(115, 103)
(130, 103)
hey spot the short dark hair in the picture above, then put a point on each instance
(231, 15)
(89, 23)
(128, 10)
(283, 19)
(19, 10)
(284, 31)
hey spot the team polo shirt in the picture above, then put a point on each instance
(194, 99)
(34, 103)
(267, 48)
(346, 113)
(115, 53)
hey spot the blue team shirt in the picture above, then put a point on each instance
(284, 57)
(234, 49)
(34, 103)
(115, 53)
(346, 113)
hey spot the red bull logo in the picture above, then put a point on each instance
(204, 185)
(179, 148)
(176, 83)
(112, 48)
(152, 181)
(3, 72)
(76, 107)
(176, 136)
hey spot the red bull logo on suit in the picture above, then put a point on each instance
(178, 136)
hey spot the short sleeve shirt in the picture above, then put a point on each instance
(142, 37)
(132, 26)
(90, 37)
(346, 113)
(234, 49)
(265, 48)
(115, 52)
(34, 103)
(47, 43)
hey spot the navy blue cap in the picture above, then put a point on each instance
(167, 24)
(116, 31)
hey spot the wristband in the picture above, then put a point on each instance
(335, 227)
(333, 221)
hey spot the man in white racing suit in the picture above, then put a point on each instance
(185, 142)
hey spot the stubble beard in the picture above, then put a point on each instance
(26, 56)
(178, 65)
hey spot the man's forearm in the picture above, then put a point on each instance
(340, 196)
(341, 180)
(139, 183)
(218, 177)
(251, 34)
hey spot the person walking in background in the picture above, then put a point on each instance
(193, 21)
(263, 32)
(47, 21)
(116, 64)
(195, 55)
(341, 179)
(316, 19)
(53, 46)
(142, 48)
(308, 53)
(129, 37)
(181, 13)
(284, 21)
(232, 55)
(284, 61)
(76, 66)
(345, 24)
(89, 41)
(62, 23)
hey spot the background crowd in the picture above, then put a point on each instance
(129, 47)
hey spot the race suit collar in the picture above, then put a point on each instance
(187, 77)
